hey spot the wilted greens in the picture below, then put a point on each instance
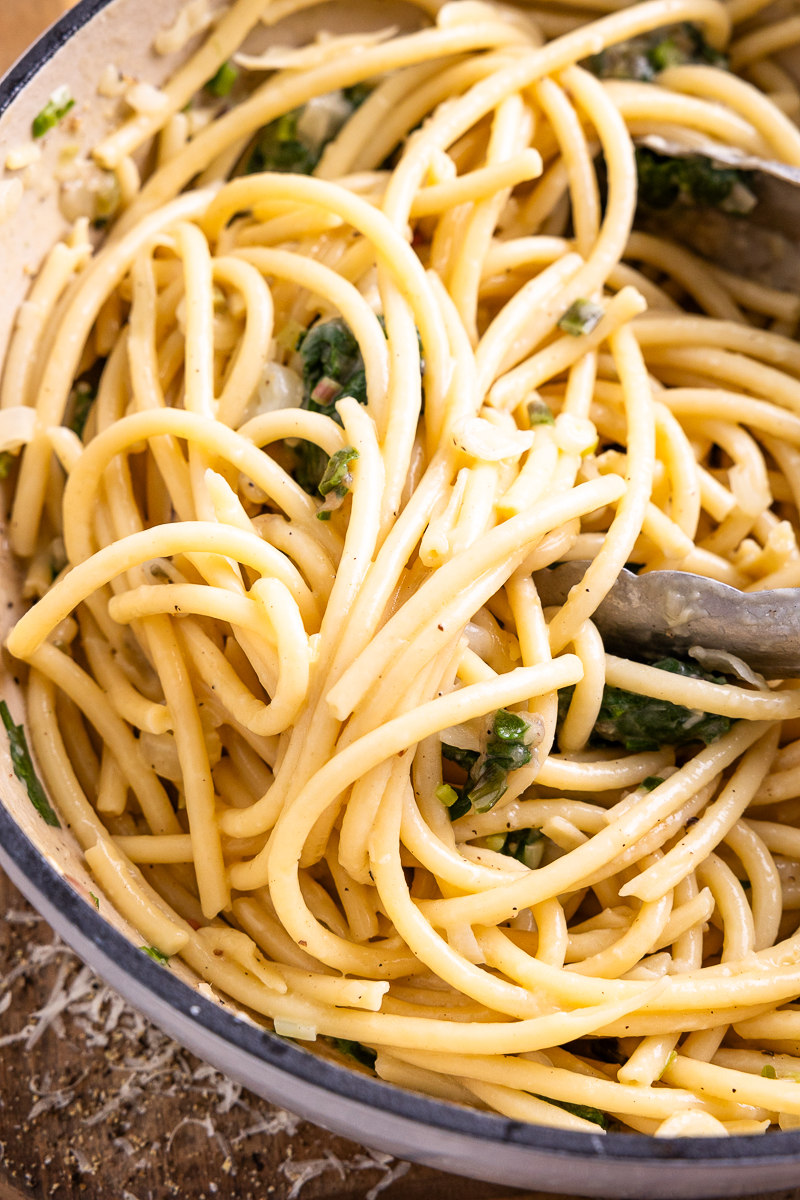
(644, 56)
(332, 368)
(24, 769)
(525, 845)
(693, 180)
(643, 723)
(284, 146)
(487, 774)
(335, 483)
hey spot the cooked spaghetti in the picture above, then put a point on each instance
(374, 342)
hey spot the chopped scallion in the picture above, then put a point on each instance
(222, 83)
(23, 767)
(540, 413)
(156, 954)
(446, 795)
(57, 106)
(581, 317)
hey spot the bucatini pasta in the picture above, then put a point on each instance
(394, 321)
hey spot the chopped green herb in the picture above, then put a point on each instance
(446, 795)
(57, 106)
(285, 145)
(96, 901)
(768, 1072)
(156, 954)
(332, 367)
(540, 412)
(666, 54)
(337, 477)
(487, 774)
(331, 360)
(652, 782)
(509, 727)
(526, 846)
(645, 55)
(643, 723)
(222, 83)
(693, 180)
(361, 1054)
(489, 785)
(277, 148)
(584, 1110)
(83, 397)
(581, 317)
(23, 767)
(336, 481)
(6, 463)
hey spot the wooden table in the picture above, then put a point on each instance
(101, 1104)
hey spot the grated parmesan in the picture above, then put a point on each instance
(78, 1003)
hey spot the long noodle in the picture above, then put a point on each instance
(292, 688)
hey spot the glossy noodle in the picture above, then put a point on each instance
(396, 320)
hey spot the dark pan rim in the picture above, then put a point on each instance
(278, 1052)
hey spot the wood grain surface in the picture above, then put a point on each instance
(97, 1103)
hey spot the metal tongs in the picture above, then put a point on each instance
(667, 611)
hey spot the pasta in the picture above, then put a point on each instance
(399, 324)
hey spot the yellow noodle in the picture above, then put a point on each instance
(293, 669)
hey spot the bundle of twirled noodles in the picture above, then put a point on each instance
(375, 341)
